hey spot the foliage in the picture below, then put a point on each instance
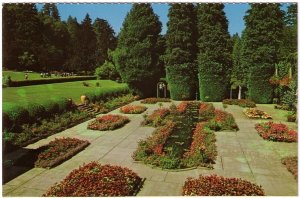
(108, 122)
(262, 37)
(107, 71)
(213, 185)
(290, 97)
(156, 118)
(58, 151)
(181, 38)
(222, 121)
(276, 132)
(94, 179)
(214, 58)
(255, 113)
(15, 115)
(240, 102)
(105, 94)
(291, 164)
(133, 109)
(154, 100)
(136, 56)
(206, 111)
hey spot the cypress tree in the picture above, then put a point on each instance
(214, 59)
(263, 34)
(137, 57)
(181, 51)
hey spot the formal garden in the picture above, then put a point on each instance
(194, 112)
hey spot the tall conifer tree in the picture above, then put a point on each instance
(263, 35)
(137, 57)
(215, 48)
(181, 52)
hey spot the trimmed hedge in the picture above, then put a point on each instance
(260, 90)
(104, 95)
(49, 81)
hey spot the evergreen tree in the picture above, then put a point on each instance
(181, 52)
(105, 39)
(21, 36)
(215, 49)
(263, 34)
(136, 56)
(50, 9)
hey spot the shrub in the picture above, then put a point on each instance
(107, 71)
(214, 185)
(104, 95)
(36, 112)
(206, 111)
(50, 81)
(240, 102)
(154, 100)
(291, 164)
(157, 117)
(18, 115)
(6, 121)
(108, 122)
(222, 121)
(276, 132)
(85, 84)
(59, 150)
(94, 179)
(133, 109)
(51, 107)
(292, 117)
(255, 113)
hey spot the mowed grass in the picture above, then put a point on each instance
(17, 76)
(41, 93)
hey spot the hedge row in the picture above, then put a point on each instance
(49, 80)
(15, 115)
(105, 94)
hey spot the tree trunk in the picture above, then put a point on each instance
(240, 93)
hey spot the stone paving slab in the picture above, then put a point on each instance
(242, 154)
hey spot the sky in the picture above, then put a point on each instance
(115, 13)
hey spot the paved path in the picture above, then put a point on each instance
(240, 154)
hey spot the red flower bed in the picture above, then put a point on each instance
(222, 121)
(156, 118)
(155, 100)
(214, 185)
(240, 102)
(255, 113)
(108, 122)
(203, 149)
(276, 132)
(206, 111)
(59, 150)
(182, 107)
(133, 109)
(94, 179)
(291, 164)
(154, 144)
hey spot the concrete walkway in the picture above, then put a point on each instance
(240, 154)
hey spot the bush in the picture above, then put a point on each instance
(214, 185)
(50, 81)
(97, 180)
(108, 122)
(104, 95)
(6, 121)
(107, 71)
(36, 112)
(260, 90)
(240, 102)
(51, 107)
(85, 84)
(18, 115)
(222, 121)
(291, 164)
(58, 151)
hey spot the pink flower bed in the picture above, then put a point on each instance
(108, 122)
(133, 109)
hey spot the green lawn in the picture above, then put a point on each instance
(41, 93)
(17, 76)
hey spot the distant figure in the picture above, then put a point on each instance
(42, 75)
(26, 76)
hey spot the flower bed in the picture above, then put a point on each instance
(203, 149)
(240, 102)
(276, 132)
(291, 164)
(59, 150)
(183, 106)
(222, 121)
(154, 100)
(206, 111)
(108, 122)
(94, 179)
(214, 185)
(256, 114)
(156, 118)
(133, 109)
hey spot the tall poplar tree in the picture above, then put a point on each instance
(263, 35)
(214, 59)
(181, 52)
(137, 57)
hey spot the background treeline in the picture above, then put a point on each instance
(197, 55)
(41, 41)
